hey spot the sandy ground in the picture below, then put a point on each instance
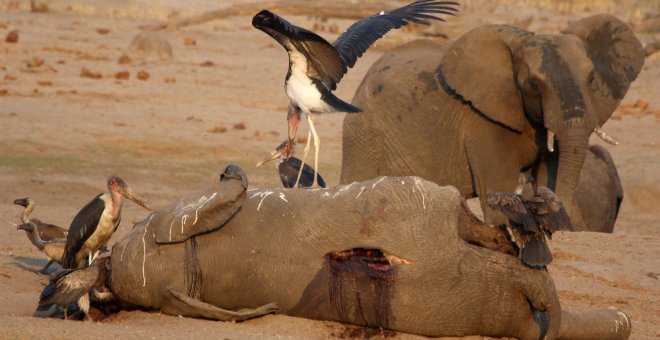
(220, 101)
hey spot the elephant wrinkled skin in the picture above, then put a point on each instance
(490, 107)
(381, 253)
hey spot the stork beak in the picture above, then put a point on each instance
(22, 202)
(131, 195)
(275, 154)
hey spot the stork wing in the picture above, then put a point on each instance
(549, 211)
(289, 173)
(323, 61)
(513, 207)
(361, 35)
(82, 227)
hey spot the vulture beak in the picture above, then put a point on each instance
(26, 226)
(22, 202)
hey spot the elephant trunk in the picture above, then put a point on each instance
(605, 324)
(573, 146)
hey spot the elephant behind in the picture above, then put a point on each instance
(491, 107)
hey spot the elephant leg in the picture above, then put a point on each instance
(605, 324)
(175, 303)
(492, 174)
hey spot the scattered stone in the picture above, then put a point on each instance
(124, 60)
(333, 29)
(301, 140)
(3, 92)
(207, 63)
(35, 62)
(169, 80)
(86, 73)
(193, 119)
(61, 62)
(218, 129)
(239, 126)
(256, 134)
(189, 42)
(148, 47)
(44, 83)
(274, 133)
(641, 104)
(102, 31)
(12, 37)
(652, 275)
(9, 78)
(143, 75)
(318, 27)
(122, 75)
(38, 7)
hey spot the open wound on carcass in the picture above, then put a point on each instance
(360, 283)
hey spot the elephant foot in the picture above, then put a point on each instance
(176, 303)
(475, 232)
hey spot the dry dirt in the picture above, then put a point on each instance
(71, 115)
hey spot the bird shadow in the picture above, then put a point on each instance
(32, 264)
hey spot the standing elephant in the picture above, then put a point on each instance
(491, 107)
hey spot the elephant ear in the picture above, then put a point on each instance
(479, 70)
(617, 56)
(203, 211)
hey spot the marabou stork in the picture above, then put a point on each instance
(531, 220)
(289, 168)
(53, 248)
(96, 222)
(316, 66)
(46, 232)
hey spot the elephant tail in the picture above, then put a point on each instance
(604, 324)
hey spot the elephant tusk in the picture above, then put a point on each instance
(551, 141)
(600, 133)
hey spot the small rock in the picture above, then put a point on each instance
(44, 83)
(102, 31)
(274, 133)
(207, 63)
(193, 119)
(301, 140)
(12, 37)
(169, 80)
(124, 60)
(318, 27)
(334, 29)
(61, 62)
(189, 42)
(3, 92)
(86, 73)
(641, 104)
(149, 46)
(35, 62)
(652, 275)
(122, 75)
(239, 126)
(218, 129)
(143, 75)
(9, 78)
(256, 134)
